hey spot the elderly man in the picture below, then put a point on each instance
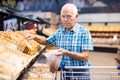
(73, 41)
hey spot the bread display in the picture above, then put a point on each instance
(39, 72)
(105, 36)
(11, 63)
(49, 31)
(8, 44)
(104, 28)
(16, 53)
(16, 40)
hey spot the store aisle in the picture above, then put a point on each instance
(103, 59)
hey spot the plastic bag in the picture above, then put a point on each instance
(52, 60)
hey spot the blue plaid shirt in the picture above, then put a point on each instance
(76, 40)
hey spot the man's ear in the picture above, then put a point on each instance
(77, 15)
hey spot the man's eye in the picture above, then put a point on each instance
(63, 16)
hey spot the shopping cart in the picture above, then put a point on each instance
(91, 73)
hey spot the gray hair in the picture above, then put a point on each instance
(71, 6)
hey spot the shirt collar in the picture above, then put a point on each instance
(74, 29)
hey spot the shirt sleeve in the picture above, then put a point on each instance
(52, 39)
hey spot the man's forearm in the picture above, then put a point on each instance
(79, 56)
(41, 40)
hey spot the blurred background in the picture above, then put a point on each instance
(100, 17)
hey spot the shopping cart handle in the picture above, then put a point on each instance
(118, 67)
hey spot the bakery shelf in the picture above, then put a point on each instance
(30, 63)
(107, 37)
(17, 61)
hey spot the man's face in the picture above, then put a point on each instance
(68, 18)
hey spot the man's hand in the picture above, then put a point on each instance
(61, 52)
(30, 36)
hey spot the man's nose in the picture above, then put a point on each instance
(66, 18)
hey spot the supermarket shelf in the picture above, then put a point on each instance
(30, 63)
(106, 46)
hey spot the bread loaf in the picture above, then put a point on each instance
(16, 40)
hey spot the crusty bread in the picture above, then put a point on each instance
(16, 40)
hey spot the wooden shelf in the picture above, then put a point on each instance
(30, 63)
(104, 28)
(105, 33)
(106, 46)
